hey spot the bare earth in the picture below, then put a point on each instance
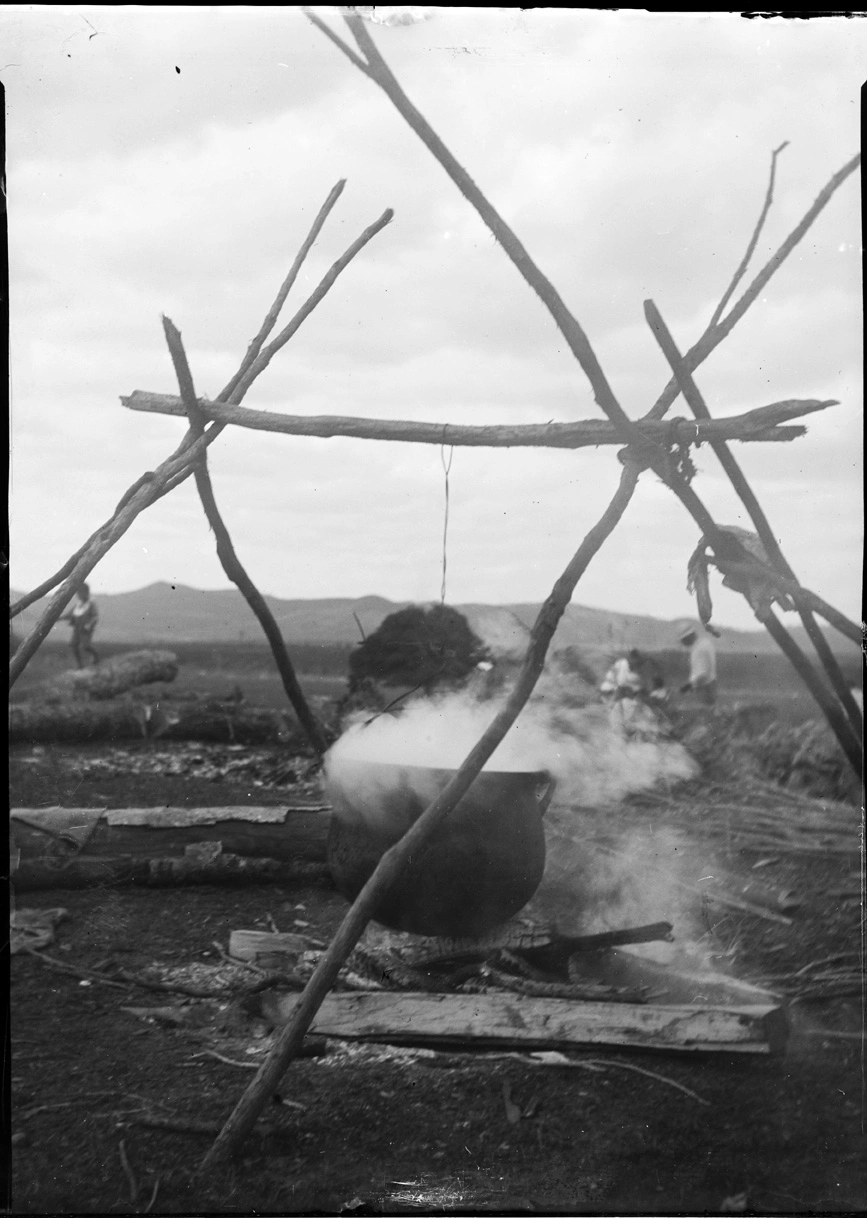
(378, 1132)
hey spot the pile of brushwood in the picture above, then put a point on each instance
(751, 740)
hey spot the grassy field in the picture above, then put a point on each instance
(761, 678)
(216, 669)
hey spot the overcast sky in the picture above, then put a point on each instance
(171, 159)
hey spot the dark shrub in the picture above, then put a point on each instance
(418, 646)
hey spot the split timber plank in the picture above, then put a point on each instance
(268, 832)
(521, 1022)
(77, 847)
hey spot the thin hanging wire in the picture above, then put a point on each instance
(447, 465)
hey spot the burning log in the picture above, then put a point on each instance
(587, 992)
(556, 954)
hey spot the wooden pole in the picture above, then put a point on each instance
(718, 331)
(392, 863)
(152, 485)
(273, 313)
(246, 1112)
(229, 559)
(652, 454)
(101, 542)
(799, 594)
(761, 424)
(372, 64)
(738, 479)
(849, 742)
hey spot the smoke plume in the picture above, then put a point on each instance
(593, 763)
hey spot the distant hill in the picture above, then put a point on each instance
(163, 613)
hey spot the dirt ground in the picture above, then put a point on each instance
(382, 1132)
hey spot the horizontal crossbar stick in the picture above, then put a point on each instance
(760, 424)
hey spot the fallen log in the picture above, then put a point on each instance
(117, 675)
(172, 872)
(500, 1020)
(79, 847)
(45, 722)
(76, 722)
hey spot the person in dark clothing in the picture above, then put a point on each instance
(649, 674)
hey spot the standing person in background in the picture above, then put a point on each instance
(83, 618)
(702, 664)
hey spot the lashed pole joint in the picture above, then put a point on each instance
(849, 732)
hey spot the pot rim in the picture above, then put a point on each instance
(440, 769)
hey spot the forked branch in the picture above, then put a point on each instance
(714, 334)
(151, 486)
(226, 551)
(754, 239)
(277, 307)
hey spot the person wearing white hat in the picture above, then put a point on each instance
(702, 664)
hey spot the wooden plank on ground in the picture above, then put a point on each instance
(518, 1021)
(261, 832)
(77, 847)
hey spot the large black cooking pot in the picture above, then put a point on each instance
(480, 867)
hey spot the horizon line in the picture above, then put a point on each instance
(167, 583)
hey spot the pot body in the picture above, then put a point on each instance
(479, 868)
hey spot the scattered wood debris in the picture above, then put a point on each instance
(33, 929)
(266, 767)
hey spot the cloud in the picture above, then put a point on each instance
(629, 151)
